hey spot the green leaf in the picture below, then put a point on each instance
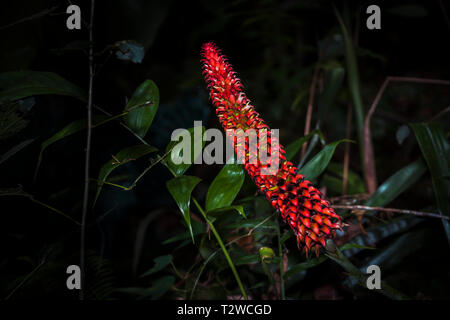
(334, 181)
(435, 149)
(160, 287)
(16, 85)
(122, 157)
(160, 263)
(8, 154)
(348, 246)
(318, 164)
(220, 212)
(181, 189)
(332, 88)
(179, 169)
(197, 227)
(225, 187)
(144, 103)
(304, 266)
(68, 130)
(361, 277)
(353, 84)
(294, 147)
(396, 184)
(246, 259)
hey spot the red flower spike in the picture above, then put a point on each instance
(294, 197)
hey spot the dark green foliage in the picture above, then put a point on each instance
(160, 230)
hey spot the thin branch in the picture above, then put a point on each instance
(347, 149)
(440, 114)
(88, 152)
(122, 124)
(404, 211)
(32, 17)
(370, 174)
(312, 92)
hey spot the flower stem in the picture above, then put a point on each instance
(225, 252)
(280, 252)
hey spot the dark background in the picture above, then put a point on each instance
(273, 45)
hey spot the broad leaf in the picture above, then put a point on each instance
(16, 85)
(435, 149)
(68, 130)
(294, 147)
(160, 263)
(142, 106)
(194, 139)
(181, 189)
(320, 161)
(225, 187)
(396, 184)
(305, 266)
(220, 212)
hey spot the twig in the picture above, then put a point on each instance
(347, 149)
(312, 92)
(32, 17)
(25, 279)
(88, 151)
(368, 154)
(405, 211)
(440, 114)
(122, 124)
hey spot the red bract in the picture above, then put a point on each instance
(300, 204)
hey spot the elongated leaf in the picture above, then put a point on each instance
(197, 227)
(319, 163)
(348, 246)
(16, 85)
(305, 266)
(246, 259)
(225, 187)
(353, 84)
(68, 130)
(144, 104)
(160, 263)
(294, 147)
(194, 139)
(361, 277)
(332, 87)
(181, 189)
(15, 149)
(435, 149)
(218, 213)
(395, 253)
(334, 181)
(122, 157)
(396, 184)
(380, 232)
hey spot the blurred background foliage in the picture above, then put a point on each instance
(139, 246)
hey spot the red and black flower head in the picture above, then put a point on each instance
(300, 204)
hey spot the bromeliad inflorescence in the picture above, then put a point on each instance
(295, 198)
